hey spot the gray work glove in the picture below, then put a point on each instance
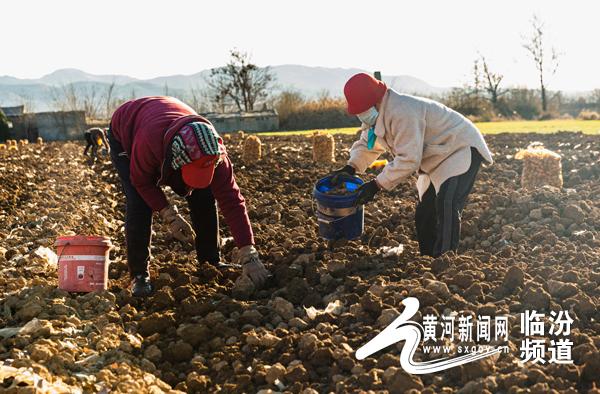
(180, 229)
(252, 267)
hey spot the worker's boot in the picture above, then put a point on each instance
(141, 286)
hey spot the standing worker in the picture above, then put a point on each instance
(441, 145)
(95, 138)
(158, 141)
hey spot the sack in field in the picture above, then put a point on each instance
(323, 148)
(239, 135)
(252, 150)
(540, 167)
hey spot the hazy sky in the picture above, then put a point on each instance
(433, 40)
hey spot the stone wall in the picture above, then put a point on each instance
(252, 122)
(51, 126)
(13, 111)
(62, 126)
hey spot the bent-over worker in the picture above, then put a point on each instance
(441, 145)
(95, 138)
(160, 141)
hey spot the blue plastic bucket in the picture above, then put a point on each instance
(337, 215)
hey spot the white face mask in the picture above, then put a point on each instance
(369, 117)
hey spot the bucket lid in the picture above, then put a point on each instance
(83, 240)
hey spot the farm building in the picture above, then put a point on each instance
(247, 121)
(13, 111)
(51, 126)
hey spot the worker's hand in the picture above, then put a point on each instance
(180, 229)
(337, 175)
(252, 267)
(367, 192)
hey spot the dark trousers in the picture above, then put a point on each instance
(437, 217)
(138, 218)
(90, 144)
(88, 140)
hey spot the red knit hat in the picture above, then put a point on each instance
(362, 92)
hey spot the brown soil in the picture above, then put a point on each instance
(520, 250)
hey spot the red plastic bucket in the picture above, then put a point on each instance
(83, 263)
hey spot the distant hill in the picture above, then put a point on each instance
(311, 80)
(307, 80)
(65, 76)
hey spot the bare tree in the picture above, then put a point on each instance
(323, 95)
(198, 99)
(65, 98)
(492, 81)
(110, 101)
(240, 81)
(476, 77)
(288, 102)
(545, 63)
(70, 98)
(92, 101)
(595, 97)
(220, 91)
(28, 102)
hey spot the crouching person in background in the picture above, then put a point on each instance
(158, 141)
(95, 138)
(424, 136)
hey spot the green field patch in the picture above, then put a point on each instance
(520, 126)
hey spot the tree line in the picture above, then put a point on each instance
(242, 86)
(239, 86)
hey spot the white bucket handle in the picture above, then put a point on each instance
(322, 220)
